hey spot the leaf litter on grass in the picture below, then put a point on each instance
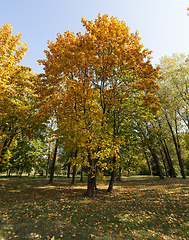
(146, 208)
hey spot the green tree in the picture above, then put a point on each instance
(19, 118)
(174, 97)
(28, 155)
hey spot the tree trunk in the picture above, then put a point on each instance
(155, 157)
(181, 162)
(81, 179)
(164, 164)
(96, 171)
(68, 173)
(74, 169)
(91, 179)
(53, 163)
(120, 174)
(8, 172)
(6, 145)
(48, 163)
(168, 157)
(73, 175)
(111, 184)
(148, 163)
(20, 175)
(178, 150)
(90, 186)
(113, 175)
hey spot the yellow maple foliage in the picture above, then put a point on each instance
(17, 92)
(88, 80)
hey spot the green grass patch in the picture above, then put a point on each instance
(139, 208)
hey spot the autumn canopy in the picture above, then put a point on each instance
(90, 83)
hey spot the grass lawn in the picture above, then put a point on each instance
(139, 208)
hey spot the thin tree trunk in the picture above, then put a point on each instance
(120, 174)
(155, 157)
(48, 163)
(6, 145)
(178, 150)
(69, 166)
(73, 175)
(81, 179)
(53, 163)
(20, 175)
(113, 175)
(96, 171)
(9, 172)
(181, 162)
(168, 157)
(112, 180)
(68, 173)
(148, 163)
(116, 130)
(164, 164)
(74, 169)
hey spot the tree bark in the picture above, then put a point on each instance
(73, 175)
(111, 184)
(9, 172)
(178, 150)
(155, 157)
(96, 171)
(164, 164)
(68, 173)
(91, 179)
(148, 163)
(112, 180)
(81, 179)
(69, 166)
(6, 145)
(53, 163)
(48, 163)
(20, 175)
(90, 186)
(120, 174)
(168, 157)
(74, 170)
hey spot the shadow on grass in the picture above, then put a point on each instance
(139, 208)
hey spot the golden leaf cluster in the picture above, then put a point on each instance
(88, 80)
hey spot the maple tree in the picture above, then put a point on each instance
(18, 101)
(11, 52)
(19, 119)
(88, 78)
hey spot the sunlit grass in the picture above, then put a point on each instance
(139, 208)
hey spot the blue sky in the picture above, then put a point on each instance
(162, 24)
